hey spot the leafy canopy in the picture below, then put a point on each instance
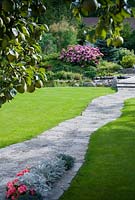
(19, 51)
(111, 14)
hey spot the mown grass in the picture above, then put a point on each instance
(30, 114)
(109, 170)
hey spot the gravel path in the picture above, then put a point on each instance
(69, 137)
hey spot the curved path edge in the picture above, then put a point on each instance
(69, 137)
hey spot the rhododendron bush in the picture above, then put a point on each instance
(82, 55)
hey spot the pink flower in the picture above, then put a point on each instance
(22, 189)
(14, 190)
(10, 191)
(21, 173)
(13, 198)
(32, 192)
(10, 184)
(81, 54)
(15, 181)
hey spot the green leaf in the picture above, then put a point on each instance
(8, 5)
(133, 12)
(28, 80)
(87, 8)
(44, 28)
(37, 47)
(11, 52)
(5, 42)
(91, 36)
(15, 32)
(1, 22)
(103, 34)
(118, 18)
(34, 56)
(42, 70)
(75, 11)
(25, 31)
(30, 72)
(126, 12)
(22, 36)
(24, 10)
(109, 41)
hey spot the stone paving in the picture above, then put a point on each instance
(70, 137)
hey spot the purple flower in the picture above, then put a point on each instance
(83, 55)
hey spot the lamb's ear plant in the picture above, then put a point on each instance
(69, 160)
(29, 197)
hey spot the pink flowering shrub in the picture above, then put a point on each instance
(82, 55)
(17, 190)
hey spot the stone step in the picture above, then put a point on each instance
(126, 85)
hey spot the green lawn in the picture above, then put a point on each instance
(30, 114)
(109, 170)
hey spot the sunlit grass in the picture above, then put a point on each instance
(30, 114)
(109, 170)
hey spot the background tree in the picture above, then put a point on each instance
(19, 51)
(131, 3)
(56, 11)
(62, 27)
(128, 33)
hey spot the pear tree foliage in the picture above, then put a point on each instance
(20, 31)
(111, 14)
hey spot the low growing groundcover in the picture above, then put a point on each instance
(30, 114)
(109, 169)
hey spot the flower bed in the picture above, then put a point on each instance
(33, 183)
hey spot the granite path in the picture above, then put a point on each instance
(69, 137)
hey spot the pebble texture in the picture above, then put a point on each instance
(70, 137)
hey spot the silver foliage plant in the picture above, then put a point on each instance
(42, 177)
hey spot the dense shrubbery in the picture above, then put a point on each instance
(123, 52)
(81, 61)
(65, 34)
(59, 69)
(82, 55)
(53, 56)
(61, 35)
(113, 54)
(63, 78)
(65, 83)
(47, 43)
(110, 53)
(108, 68)
(54, 64)
(129, 37)
(78, 62)
(63, 75)
(90, 72)
(128, 61)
